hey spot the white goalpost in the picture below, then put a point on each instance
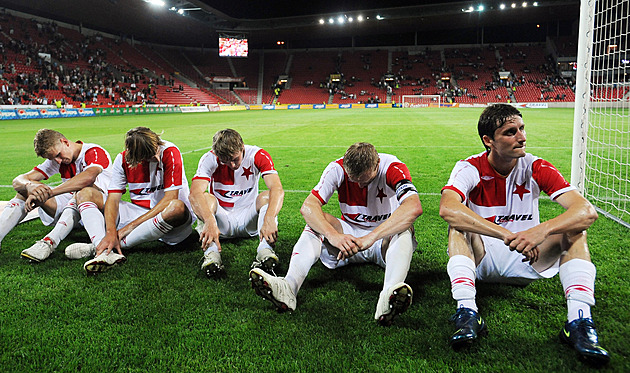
(421, 100)
(601, 136)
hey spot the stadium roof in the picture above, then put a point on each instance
(402, 22)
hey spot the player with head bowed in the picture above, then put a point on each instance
(495, 234)
(224, 196)
(379, 205)
(82, 166)
(153, 169)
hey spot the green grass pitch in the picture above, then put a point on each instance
(159, 313)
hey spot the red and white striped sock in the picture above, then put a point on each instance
(578, 281)
(461, 270)
(150, 230)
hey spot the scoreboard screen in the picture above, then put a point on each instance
(233, 47)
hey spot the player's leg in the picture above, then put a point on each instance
(174, 215)
(90, 202)
(396, 295)
(68, 219)
(281, 291)
(212, 265)
(15, 211)
(266, 257)
(577, 275)
(465, 252)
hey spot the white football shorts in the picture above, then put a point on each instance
(128, 212)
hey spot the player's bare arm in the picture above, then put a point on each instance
(78, 182)
(401, 219)
(199, 202)
(269, 229)
(579, 214)
(30, 184)
(111, 241)
(460, 217)
(314, 216)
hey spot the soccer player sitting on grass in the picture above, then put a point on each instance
(81, 166)
(159, 208)
(379, 205)
(495, 235)
(224, 196)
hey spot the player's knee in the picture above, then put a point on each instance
(262, 199)
(176, 213)
(88, 194)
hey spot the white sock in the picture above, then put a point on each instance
(93, 221)
(261, 219)
(68, 219)
(306, 252)
(150, 230)
(578, 281)
(398, 259)
(461, 270)
(11, 216)
(213, 247)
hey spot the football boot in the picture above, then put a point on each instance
(393, 302)
(38, 252)
(582, 336)
(469, 326)
(274, 289)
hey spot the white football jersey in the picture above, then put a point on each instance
(511, 201)
(150, 179)
(235, 189)
(91, 155)
(371, 205)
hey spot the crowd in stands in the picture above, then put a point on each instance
(42, 64)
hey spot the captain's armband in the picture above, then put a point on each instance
(403, 187)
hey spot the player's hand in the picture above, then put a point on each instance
(269, 231)
(346, 244)
(527, 240)
(209, 235)
(31, 203)
(531, 256)
(365, 242)
(124, 231)
(109, 243)
(40, 192)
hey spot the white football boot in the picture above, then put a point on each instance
(38, 252)
(266, 259)
(80, 250)
(393, 302)
(212, 264)
(275, 289)
(103, 262)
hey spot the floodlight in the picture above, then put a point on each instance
(330, 20)
(340, 19)
(513, 5)
(480, 8)
(502, 6)
(157, 2)
(379, 17)
(525, 4)
(181, 11)
(350, 19)
(173, 9)
(360, 18)
(321, 21)
(535, 3)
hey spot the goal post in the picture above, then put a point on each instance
(600, 166)
(421, 100)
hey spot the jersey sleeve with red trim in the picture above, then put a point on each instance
(173, 168)
(96, 157)
(206, 167)
(549, 179)
(463, 179)
(118, 180)
(47, 168)
(264, 163)
(329, 182)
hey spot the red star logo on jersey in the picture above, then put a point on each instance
(381, 194)
(520, 190)
(247, 171)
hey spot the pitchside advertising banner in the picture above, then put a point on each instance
(32, 113)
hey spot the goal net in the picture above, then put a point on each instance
(421, 100)
(601, 137)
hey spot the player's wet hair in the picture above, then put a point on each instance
(226, 143)
(359, 158)
(45, 140)
(494, 117)
(141, 144)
